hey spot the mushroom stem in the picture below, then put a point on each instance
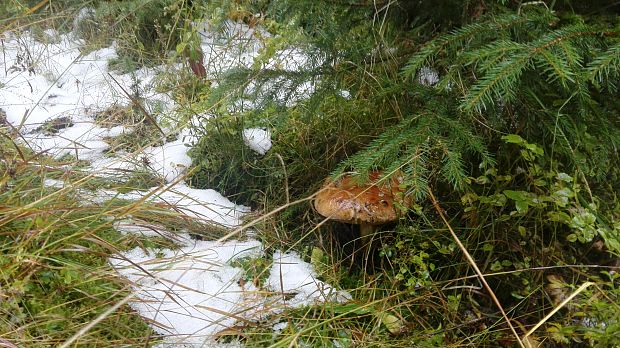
(366, 232)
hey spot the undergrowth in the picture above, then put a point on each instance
(54, 249)
(506, 112)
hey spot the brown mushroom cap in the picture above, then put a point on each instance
(371, 203)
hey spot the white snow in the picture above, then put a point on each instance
(171, 159)
(291, 275)
(428, 76)
(278, 327)
(192, 292)
(345, 94)
(201, 204)
(257, 139)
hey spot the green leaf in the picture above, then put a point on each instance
(522, 206)
(351, 308)
(513, 139)
(496, 266)
(537, 150)
(316, 258)
(558, 216)
(515, 195)
(392, 323)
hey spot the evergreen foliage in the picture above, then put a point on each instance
(546, 75)
(508, 112)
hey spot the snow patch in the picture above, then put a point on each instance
(428, 76)
(171, 159)
(293, 276)
(257, 139)
(202, 204)
(191, 293)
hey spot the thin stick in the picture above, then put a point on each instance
(263, 217)
(473, 264)
(562, 304)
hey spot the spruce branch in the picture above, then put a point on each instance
(501, 81)
(604, 70)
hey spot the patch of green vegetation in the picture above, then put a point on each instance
(255, 270)
(139, 137)
(142, 130)
(117, 115)
(185, 88)
(53, 126)
(55, 278)
(308, 140)
(123, 64)
(506, 113)
(145, 31)
(73, 161)
(140, 180)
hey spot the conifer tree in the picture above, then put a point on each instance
(547, 74)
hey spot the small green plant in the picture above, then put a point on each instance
(256, 270)
(55, 125)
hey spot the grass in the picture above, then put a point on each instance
(53, 250)
(54, 126)
(55, 279)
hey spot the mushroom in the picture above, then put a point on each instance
(368, 205)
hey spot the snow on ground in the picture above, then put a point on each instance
(170, 160)
(291, 275)
(201, 204)
(46, 81)
(193, 293)
(51, 94)
(257, 139)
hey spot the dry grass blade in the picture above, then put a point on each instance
(559, 306)
(26, 13)
(263, 217)
(472, 262)
(101, 317)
